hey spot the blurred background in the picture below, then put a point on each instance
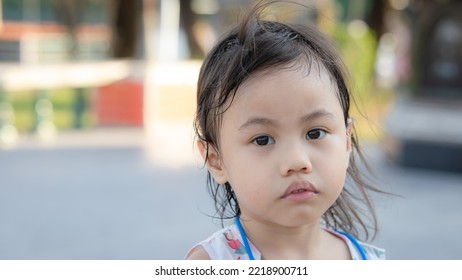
(96, 104)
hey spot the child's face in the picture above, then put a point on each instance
(284, 147)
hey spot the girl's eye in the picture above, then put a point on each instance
(315, 134)
(263, 140)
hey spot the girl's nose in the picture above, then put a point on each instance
(295, 159)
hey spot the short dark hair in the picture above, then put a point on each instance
(257, 45)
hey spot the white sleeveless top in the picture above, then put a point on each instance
(227, 244)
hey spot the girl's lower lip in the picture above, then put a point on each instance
(300, 197)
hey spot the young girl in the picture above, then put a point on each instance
(274, 129)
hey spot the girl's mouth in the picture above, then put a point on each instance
(300, 191)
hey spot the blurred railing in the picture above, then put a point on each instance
(15, 77)
(42, 78)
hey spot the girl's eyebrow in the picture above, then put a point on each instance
(258, 121)
(316, 114)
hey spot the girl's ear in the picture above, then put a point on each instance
(349, 133)
(213, 162)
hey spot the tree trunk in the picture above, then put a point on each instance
(188, 19)
(375, 18)
(125, 27)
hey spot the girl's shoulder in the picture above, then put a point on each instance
(197, 253)
(224, 244)
(359, 250)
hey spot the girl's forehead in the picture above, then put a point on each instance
(282, 87)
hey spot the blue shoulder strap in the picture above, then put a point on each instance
(355, 243)
(244, 239)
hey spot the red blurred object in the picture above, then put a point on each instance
(120, 103)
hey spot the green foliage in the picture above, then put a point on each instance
(370, 103)
(63, 101)
(358, 54)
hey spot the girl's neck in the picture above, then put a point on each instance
(304, 242)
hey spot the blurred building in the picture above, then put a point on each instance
(44, 31)
(49, 47)
(425, 125)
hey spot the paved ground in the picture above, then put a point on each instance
(101, 196)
